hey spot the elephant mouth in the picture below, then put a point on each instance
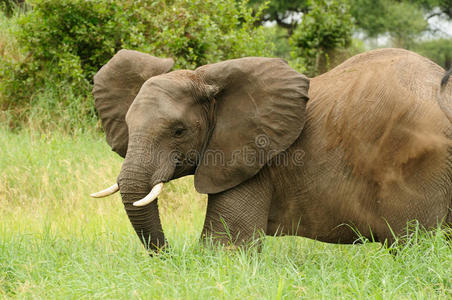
(153, 194)
(178, 168)
(157, 188)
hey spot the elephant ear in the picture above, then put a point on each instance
(115, 87)
(260, 111)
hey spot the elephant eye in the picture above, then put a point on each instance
(179, 132)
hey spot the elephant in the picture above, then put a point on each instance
(362, 149)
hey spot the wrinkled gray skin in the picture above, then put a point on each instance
(347, 160)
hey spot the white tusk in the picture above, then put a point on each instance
(107, 192)
(153, 194)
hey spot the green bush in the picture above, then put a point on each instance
(73, 37)
(198, 32)
(65, 42)
(323, 34)
(8, 6)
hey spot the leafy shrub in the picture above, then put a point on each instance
(65, 42)
(73, 37)
(323, 33)
(8, 6)
(198, 32)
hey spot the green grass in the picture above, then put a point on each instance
(56, 242)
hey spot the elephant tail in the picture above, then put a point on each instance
(445, 104)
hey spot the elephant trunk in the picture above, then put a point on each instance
(135, 181)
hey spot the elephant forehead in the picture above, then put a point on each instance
(155, 109)
(165, 88)
(159, 106)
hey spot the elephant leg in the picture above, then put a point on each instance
(238, 215)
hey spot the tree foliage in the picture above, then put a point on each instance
(282, 11)
(435, 7)
(8, 6)
(324, 31)
(85, 34)
(439, 50)
(403, 21)
(65, 42)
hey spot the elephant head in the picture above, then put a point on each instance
(204, 122)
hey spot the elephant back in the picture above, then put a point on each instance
(380, 108)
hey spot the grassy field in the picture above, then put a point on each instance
(56, 242)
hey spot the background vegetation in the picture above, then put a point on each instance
(56, 242)
(50, 49)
